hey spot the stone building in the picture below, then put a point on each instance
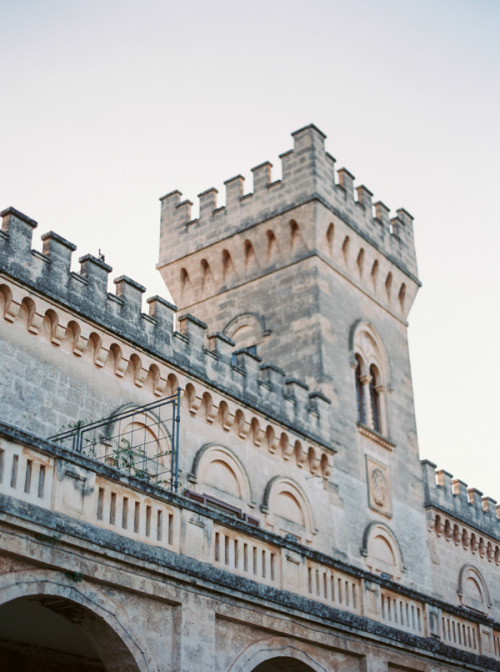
(233, 485)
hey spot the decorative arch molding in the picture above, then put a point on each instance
(48, 583)
(214, 454)
(365, 341)
(275, 647)
(285, 499)
(112, 356)
(472, 589)
(251, 327)
(382, 551)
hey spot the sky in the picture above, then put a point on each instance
(109, 104)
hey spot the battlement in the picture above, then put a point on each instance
(308, 173)
(209, 358)
(455, 497)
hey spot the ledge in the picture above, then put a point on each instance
(375, 437)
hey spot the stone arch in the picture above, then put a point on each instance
(104, 621)
(472, 590)
(360, 262)
(172, 385)
(388, 286)
(272, 246)
(71, 336)
(134, 369)
(185, 283)
(374, 274)
(27, 314)
(250, 258)
(402, 297)
(49, 326)
(329, 237)
(153, 380)
(228, 270)
(246, 330)
(382, 551)
(207, 280)
(114, 359)
(296, 239)
(281, 655)
(287, 509)
(366, 343)
(93, 348)
(345, 250)
(5, 298)
(218, 468)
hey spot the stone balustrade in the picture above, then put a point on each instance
(49, 477)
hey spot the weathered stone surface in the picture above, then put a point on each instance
(305, 534)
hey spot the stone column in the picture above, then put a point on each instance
(380, 390)
(365, 382)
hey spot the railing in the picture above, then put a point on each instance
(460, 633)
(245, 555)
(402, 613)
(75, 488)
(142, 441)
(333, 587)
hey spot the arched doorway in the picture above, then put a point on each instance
(283, 664)
(49, 633)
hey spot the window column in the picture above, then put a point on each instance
(380, 390)
(365, 383)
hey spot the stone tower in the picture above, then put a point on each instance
(319, 282)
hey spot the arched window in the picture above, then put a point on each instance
(371, 369)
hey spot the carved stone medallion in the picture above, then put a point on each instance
(379, 487)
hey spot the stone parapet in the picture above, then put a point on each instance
(454, 497)
(85, 294)
(308, 173)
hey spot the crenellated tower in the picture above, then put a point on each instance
(252, 269)
(311, 274)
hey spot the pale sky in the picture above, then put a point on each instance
(109, 104)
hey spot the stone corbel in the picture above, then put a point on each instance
(315, 463)
(258, 437)
(194, 404)
(57, 334)
(121, 366)
(301, 457)
(327, 469)
(79, 345)
(12, 310)
(243, 429)
(159, 386)
(288, 450)
(227, 421)
(101, 356)
(140, 377)
(212, 412)
(35, 323)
